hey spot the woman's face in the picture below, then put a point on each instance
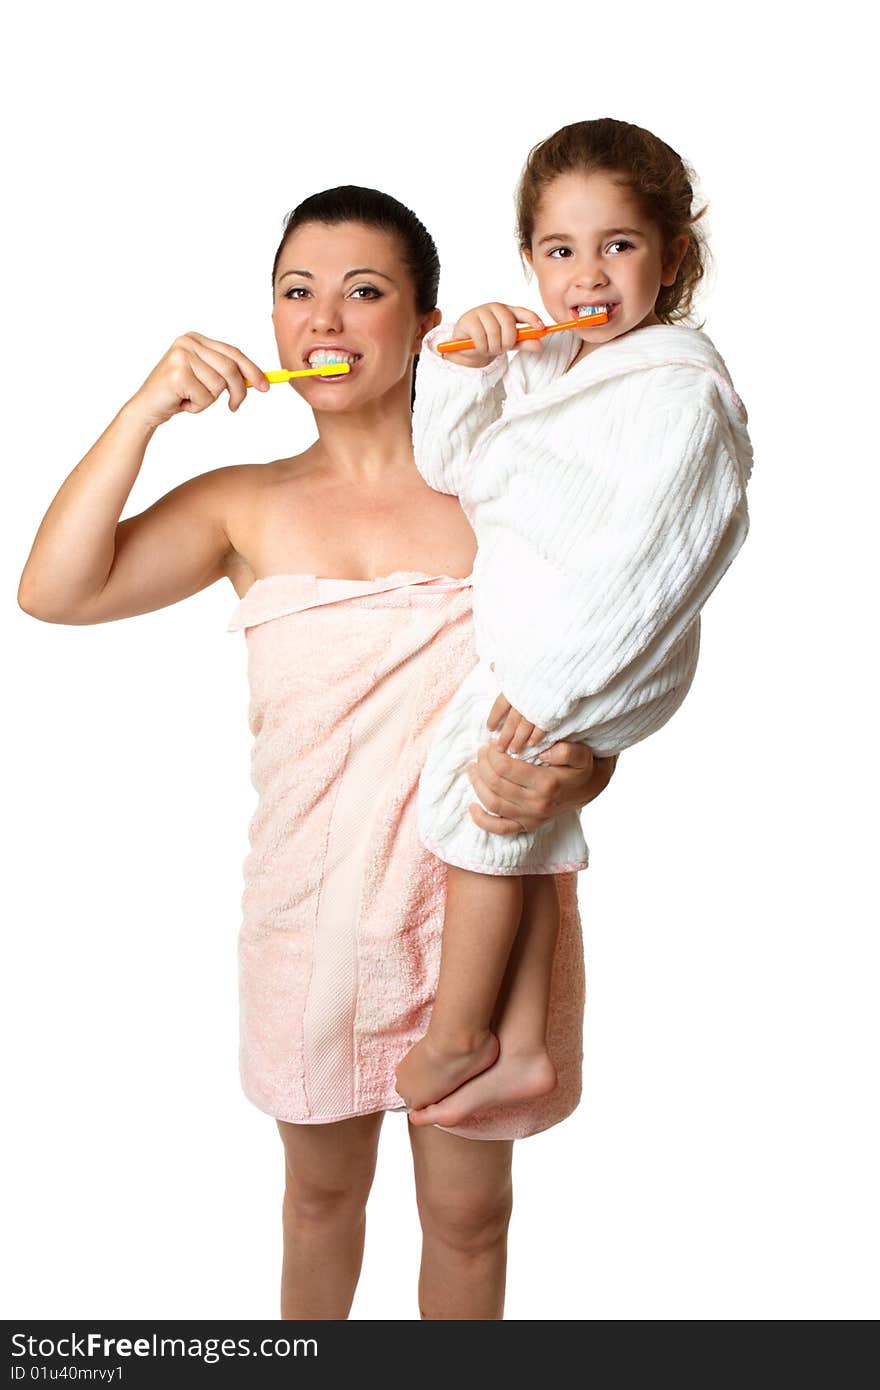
(344, 291)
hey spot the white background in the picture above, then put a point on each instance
(722, 1163)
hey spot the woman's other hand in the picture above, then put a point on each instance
(194, 372)
(522, 795)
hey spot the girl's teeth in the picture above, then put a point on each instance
(587, 310)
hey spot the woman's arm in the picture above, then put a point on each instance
(521, 795)
(87, 566)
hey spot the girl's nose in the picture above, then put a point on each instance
(592, 278)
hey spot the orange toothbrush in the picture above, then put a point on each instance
(527, 331)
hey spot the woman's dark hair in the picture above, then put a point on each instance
(660, 180)
(370, 208)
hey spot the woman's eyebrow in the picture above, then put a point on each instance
(361, 270)
(366, 270)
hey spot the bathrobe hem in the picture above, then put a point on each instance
(500, 871)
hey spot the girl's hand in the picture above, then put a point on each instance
(521, 796)
(194, 372)
(516, 732)
(493, 329)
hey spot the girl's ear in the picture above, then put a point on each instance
(674, 256)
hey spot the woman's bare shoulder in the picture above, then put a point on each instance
(240, 483)
(244, 492)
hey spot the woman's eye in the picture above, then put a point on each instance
(618, 243)
(295, 292)
(367, 291)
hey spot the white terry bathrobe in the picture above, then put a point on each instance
(607, 503)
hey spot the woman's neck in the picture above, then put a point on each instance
(370, 444)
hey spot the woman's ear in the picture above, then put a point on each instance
(428, 322)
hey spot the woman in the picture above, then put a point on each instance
(353, 585)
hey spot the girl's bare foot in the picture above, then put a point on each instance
(515, 1076)
(431, 1069)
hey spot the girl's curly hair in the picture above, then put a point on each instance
(660, 180)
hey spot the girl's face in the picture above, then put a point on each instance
(592, 245)
(344, 291)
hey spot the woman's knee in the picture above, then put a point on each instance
(310, 1201)
(328, 1174)
(467, 1221)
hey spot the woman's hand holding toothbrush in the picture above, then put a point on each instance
(192, 375)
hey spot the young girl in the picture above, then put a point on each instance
(604, 472)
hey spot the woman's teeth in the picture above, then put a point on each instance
(323, 357)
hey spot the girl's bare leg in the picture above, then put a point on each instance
(329, 1171)
(480, 924)
(465, 1196)
(524, 1068)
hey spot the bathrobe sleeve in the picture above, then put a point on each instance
(453, 406)
(633, 566)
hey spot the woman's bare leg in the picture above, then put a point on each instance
(480, 924)
(524, 1068)
(465, 1196)
(329, 1171)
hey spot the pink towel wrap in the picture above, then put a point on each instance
(339, 947)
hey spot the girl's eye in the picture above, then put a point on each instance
(368, 291)
(563, 252)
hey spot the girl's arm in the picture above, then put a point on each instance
(459, 395)
(87, 566)
(645, 563)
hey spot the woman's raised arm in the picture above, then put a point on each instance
(87, 566)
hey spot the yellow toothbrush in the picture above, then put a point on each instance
(330, 369)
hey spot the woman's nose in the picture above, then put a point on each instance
(326, 316)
